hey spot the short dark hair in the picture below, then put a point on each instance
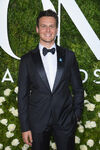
(48, 13)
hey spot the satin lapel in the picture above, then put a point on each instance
(39, 66)
(60, 67)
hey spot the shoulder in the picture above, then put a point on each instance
(66, 51)
(28, 55)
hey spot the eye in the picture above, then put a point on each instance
(43, 26)
(52, 26)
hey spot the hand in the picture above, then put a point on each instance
(27, 137)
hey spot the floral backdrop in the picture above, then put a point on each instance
(22, 37)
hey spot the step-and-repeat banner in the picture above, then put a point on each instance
(79, 30)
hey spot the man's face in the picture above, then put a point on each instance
(47, 30)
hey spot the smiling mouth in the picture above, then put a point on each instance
(48, 35)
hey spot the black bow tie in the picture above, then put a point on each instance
(45, 51)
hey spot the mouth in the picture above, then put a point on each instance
(48, 35)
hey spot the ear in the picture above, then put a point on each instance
(37, 29)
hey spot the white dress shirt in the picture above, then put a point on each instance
(50, 64)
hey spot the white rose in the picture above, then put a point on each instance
(16, 98)
(9, 134)
(25, 147)
(83, 147)
(7, 148)
(81, 129)
(4, 121)
(90, 106)
(85, 94)
(77, 140)
(1, 111)
(99, 114)
(14, 111)
(11, 109)
(79, 122)
(2, 99)
(93, 124)
(86, 101)
(7, 92)
(11, 127)
(50, 143)
(90, 124)
(16, 89)
(15, 142)
(90, 142)
(99, 141)
(53, 146)
(97, 97)
(1, 146)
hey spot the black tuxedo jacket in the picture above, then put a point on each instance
(36, 102)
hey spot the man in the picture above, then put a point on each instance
(46, 105)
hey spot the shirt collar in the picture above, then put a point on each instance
(41, 46)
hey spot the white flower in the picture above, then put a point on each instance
(90, 124)
(14, 111)
(1, 111)
(90, 106)
(16, 89)
(4, 121)
(83, 147)
(85, 94)
(77, 140)
(9, 134)
(7, 92)
(99, 141)
(53, 146)
(86, 101)
(15, 142)
(93, 124)
(11, 127)
(99, 114)
(81, 129)
(79, 122)
(11, 109)
(97, 97)
(7, 148)
(16, 98)
(90, 142)
(25, 147)
(50, 143)
(2, 99)
(1, 146)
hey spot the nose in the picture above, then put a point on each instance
(48, 29)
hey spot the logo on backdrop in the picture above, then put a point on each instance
(75, 14)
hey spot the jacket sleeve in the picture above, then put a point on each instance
(77, 89)
(23, 95)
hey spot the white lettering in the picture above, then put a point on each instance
(82, 25)
(4, 42)
(47, 5)
(7, 73)
(86, 75)
(96, 75)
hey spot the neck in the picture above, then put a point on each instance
(47, 45)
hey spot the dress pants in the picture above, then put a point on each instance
(62, 139)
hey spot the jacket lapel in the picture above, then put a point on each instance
(39, 66)
(60, 66)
